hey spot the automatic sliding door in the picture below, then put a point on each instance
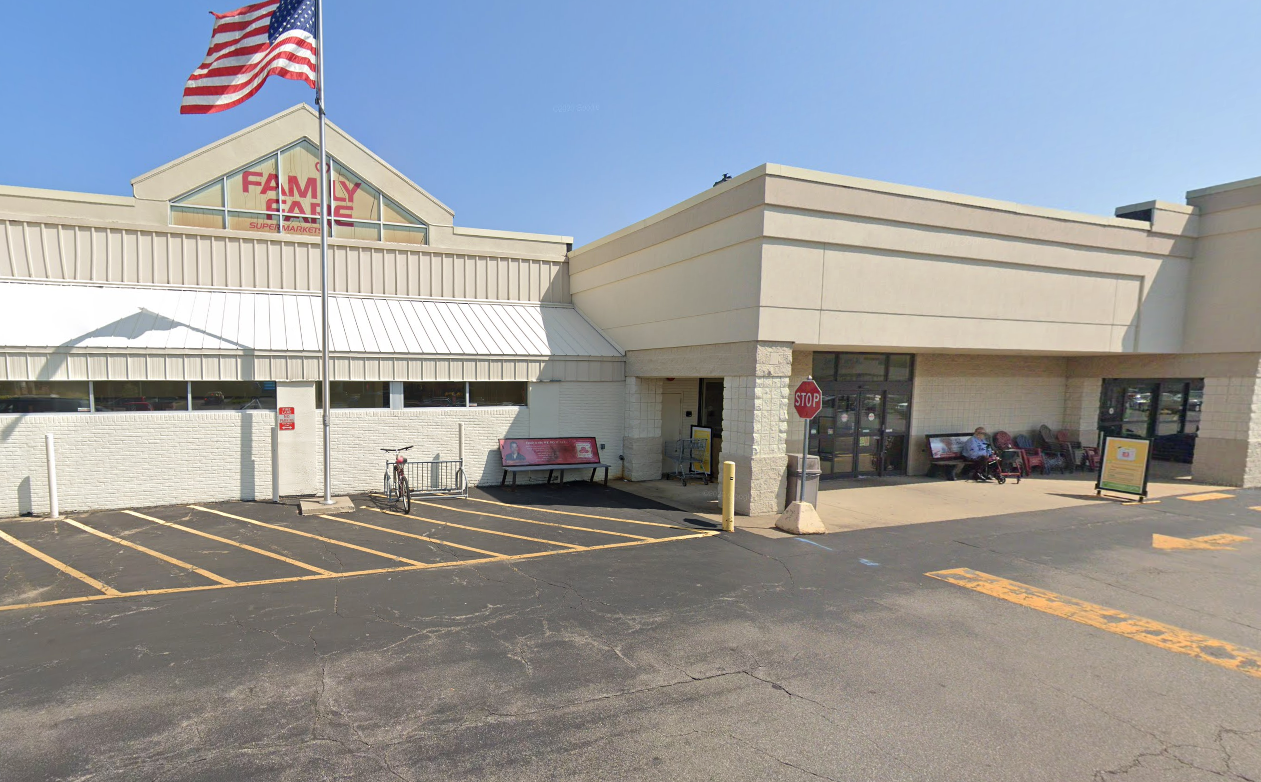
(870, 445)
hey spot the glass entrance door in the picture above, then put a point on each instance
(859, 434)
(870, 433)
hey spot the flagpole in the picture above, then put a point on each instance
(325, 186)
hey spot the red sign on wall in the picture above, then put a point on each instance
(808, 399)
(287, 419)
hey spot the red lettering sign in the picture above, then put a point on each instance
(287, 418)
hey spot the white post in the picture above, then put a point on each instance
(54, 511)
(275, 459)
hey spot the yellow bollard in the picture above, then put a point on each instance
(728, 496)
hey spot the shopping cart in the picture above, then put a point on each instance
(685, 454)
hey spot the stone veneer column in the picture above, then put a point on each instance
(641, 445)
(755, 429)
(1228, 446)
(1081, 408)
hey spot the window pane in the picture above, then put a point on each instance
(238, 221)
(824, 366)
(353, 198)
(491, 394)
(433, 394)
(1195, 404)
(1169, 415)
(211, 195)
(860, 366)
(899, 367)
(404, 234)
(393, 213)
(35, 397)
(121, 396)
(255, 188)
(196, 218)
(234, 395)
(354, 394)
(343, 229)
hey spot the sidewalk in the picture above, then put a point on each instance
(887, 502)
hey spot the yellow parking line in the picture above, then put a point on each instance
(532, 521)
(412, 535)
(1160, 635)
(583, 515)
(309, 535)
(62, 566)
(151, 552)
(245, 546)
(1213, 495)
(327, 575)
(479, 529)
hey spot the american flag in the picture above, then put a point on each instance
(248, 45)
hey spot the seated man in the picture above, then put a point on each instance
(982, 456)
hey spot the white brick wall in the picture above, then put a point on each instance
(957, 393)
(134, 460)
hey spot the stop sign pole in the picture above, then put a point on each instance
(808, 401)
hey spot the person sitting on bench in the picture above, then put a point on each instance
(982, 456)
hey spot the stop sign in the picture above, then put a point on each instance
(808, 399)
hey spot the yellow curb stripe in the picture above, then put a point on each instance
(1158, 634)
(532, 521)
(310, 535)
(413, 535)
(1213, 495)
(479, 529)
(245, 546)
(62, 566)
(583, 515)
(172, 560)
(328, 575)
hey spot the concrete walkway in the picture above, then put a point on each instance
(889, 502)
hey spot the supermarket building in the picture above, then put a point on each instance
(156, 335)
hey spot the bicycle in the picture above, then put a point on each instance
(396, 488)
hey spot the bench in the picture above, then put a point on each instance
(945, 454)
(554, 454)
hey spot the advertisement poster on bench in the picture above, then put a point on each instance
(544, 451)
(1124, 467)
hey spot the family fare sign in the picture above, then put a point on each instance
(296, 200)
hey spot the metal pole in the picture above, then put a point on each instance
(53, 511)
(325, 186)
(805, 458)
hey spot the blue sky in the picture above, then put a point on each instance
(580, 118)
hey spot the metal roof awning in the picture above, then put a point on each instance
(34, 315)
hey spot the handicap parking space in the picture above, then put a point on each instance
(192, 548)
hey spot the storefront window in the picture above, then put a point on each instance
(497, 394)
(140, 396)
(824, 366)
(50, 397)
(234, 395)
(433, 394)
(860, 367)
(348, 394)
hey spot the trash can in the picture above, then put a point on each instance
(811, 478)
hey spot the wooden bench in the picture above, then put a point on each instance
(945, 454)
(554, 454)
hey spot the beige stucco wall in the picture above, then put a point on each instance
(787, 255)
(1222, 311)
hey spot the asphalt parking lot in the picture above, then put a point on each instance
(167, 550)
(1113, 642)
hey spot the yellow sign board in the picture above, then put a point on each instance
(1125, 463)
(706, 434)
